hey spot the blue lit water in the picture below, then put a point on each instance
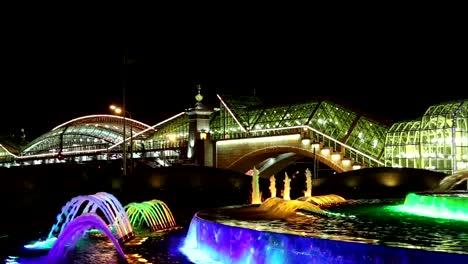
(159, 247)
(358, 232)
(369, 221)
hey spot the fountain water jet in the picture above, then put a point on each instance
(272, 186)
(443, 202)
(448, 205)
(278, 207)
(74, 231)
(347, 233)
(107, 204)
(323, 200)
(256, 194)
(449, 182)
(154, 213)
(101, 203)
(308, 191)
(287, 188)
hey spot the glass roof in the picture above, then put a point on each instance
(94, 130)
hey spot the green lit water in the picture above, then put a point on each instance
(375, 221)
(452, 205)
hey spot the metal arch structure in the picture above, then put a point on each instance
(270, 162)
(92, 134)
(70, 137)
(438, 140)
(112, 122)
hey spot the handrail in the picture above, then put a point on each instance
(324, 135)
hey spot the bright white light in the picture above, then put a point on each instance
(260, 139)
(336, 156)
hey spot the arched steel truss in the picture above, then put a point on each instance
(87, 134)
(436, 141)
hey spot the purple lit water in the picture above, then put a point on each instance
(102, 202)
(75, 230)
(364, 231)
(354, 224)
(159, 247)
(366, 221)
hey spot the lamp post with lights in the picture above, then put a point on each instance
(119, 111)
(316, 147)
(170, 139)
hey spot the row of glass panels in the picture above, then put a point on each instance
(438, 141)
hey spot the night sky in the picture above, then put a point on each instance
(44, 86)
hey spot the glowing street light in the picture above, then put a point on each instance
(116, 109)
(119, 111)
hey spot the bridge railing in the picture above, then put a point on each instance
(255, 133)
(162, 144)
(357, 157)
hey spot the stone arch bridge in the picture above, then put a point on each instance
(272, 154)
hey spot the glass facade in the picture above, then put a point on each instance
(171, 134)
(402, 145)
(5, 155)
(356, 131)
(83, 139)
(74, 138)
(437, 141)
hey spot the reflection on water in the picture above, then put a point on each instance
(364, 221)
(148, 247)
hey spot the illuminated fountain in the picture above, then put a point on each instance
(155, 214)
(450, 205)
(86, 231)
(444, 202)
(323, 200)
(309, 229)
(102, 203)
(280, 208)
(272, 186)
(451, 181)
(256, 194)
(287, 188)
(87, 220)
(331, 229)
(308, 191)
(74, 231)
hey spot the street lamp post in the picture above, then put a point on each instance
(164, 153)
(119, 111)
(169, 139)
(315, 146)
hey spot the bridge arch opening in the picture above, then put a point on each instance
(275, 160)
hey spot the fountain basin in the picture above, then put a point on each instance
(363, 231)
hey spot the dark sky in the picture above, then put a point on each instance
(45, 85)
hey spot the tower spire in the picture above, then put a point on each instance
(199, 97)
